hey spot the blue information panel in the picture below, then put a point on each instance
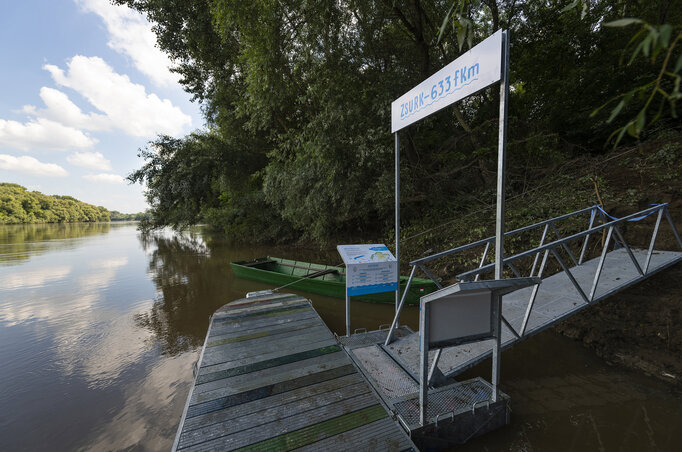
(370, 268)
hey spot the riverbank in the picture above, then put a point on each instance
(639, 328)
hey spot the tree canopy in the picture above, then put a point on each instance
(18, 205)
(297, 99)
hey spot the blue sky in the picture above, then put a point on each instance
(82, 87)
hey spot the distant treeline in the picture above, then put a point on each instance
(118, 216)
(18, 205)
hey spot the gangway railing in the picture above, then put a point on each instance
(608, 224)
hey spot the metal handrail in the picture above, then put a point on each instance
(553, 248)
(506, 234)
(561, 242)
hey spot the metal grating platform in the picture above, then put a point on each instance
(453, 399)
(391, 379)
(372, 337)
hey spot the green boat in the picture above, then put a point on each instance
(322, 279)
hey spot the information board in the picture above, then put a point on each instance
(471, 72)
(370, 268)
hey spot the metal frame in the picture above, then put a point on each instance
(499, 243)
(553, 248)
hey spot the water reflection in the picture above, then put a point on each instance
(191, 286)
(18, 242)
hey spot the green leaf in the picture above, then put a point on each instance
(461, 33)
(636, 52)
(646, 44)
(678, 65)
(570, 6)
(623, 22)
(632, 130)
(664, 33)
(446, 21)
(616, 111)
(640, 121)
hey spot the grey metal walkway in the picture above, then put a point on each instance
(271, 376)
(557, 298)
(577, 282)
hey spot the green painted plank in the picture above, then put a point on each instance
(266, 364)
(237, 362)
(238, 411)
(239, 383)
(256, 347)
(270, 421)
(383, 435)
(267, 390)
(252, 326)
(245, 308)
(315, 432)
(268, 313)
(246, 337)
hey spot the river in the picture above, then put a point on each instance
(100, 327)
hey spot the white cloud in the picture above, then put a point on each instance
(126, 104)
(105, 177)
(92, 160)
(29, 165)
(61, 109)
(42, 133)
(33, 278)
(131, 34)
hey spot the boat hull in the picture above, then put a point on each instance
(280, 272)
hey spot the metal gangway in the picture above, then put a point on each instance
(573, 277)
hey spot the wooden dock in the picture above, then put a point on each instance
(271, 376)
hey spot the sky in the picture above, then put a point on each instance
(82, 88)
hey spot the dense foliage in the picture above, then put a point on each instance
(115, 215)
(18, 205)
(297, 101)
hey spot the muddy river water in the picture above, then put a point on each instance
(100, 327)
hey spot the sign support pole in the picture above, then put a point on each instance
(499, 221)
(423, 361)
(347, 314)
(397, 224)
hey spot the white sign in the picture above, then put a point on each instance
(471, 72)
(369, 269)
(460, 317)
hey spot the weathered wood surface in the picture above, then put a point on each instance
(271, 376)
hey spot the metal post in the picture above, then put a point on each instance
(423, 361)
(397, 224)
(499, 221)
(347, 315)
(396, 319)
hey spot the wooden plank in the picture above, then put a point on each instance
(266, 324)
(272, 377)
(253, 406)
(284, 301)
(300, 429)
(298, 307)
(265, 356)
(265, 391)
(271, 414)
(266, 364)
(381, 435)
(272, 332)
(241, 383)
(254, 347)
